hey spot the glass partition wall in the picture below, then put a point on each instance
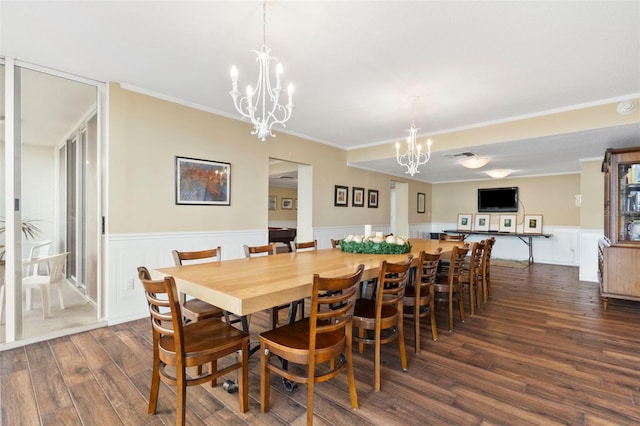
(53, 189)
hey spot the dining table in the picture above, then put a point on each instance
(248, 285)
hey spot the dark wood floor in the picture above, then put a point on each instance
(543, 351)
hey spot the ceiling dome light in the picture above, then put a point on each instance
(474, 162)
(626, 107)
(499, 173)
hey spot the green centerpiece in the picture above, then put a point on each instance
(375, 245)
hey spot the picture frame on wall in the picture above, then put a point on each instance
(273, 202)
(341, 196)
(357, 197)
(464, 222)
(287, 204)
(507, 223)
(481, 222)
(422, 201)
(202, 182)
(532, 224)
(372, 198)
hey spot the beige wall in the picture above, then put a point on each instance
(592, 190)
(146, 134)
(551, 196)
(281, 214)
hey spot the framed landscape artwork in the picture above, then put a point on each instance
(464, 222)
(532, 224)
(507, 223)
(372, 198)
(357, 197)
(481, 222)
(287, 203)
(202, 182)
(341, 196)
(422, 201)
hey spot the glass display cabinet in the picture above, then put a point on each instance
(619, 250)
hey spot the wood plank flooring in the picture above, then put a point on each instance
(542, 352)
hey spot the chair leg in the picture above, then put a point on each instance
(243, 383)
(376, 362)
(472, 302)
(181, 397)
(432, 314)
(310, 387)
(461, 308)
(361, 334)
(416, 324)
(46, 307)
(60, 286)
(265, 381)
(155, 382)
(1, 302)
(450, 314)
(401, 344)
(350, 374)
(28, 298)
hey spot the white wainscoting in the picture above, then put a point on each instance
(567, 246)
(126, 252)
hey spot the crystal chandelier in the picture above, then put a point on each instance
(264, 97)
(414, 157)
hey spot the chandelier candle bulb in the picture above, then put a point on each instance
(234, 78)
(290, 93)
(279, 72)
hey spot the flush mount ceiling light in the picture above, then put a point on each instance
(475, 162)
(499, 173)
(626, 107)
(265, 96)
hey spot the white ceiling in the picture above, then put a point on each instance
(355, 64)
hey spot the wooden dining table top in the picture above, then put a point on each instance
(244, 286)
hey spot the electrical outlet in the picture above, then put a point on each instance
(130, 284)
(578, 200)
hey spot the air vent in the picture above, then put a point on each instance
(460, 154)
(286, 177)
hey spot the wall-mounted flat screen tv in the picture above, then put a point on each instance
(498, 199)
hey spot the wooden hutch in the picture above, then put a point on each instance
(619, 250)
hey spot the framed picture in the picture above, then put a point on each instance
(507, 223)
(481, 222)
(372, 201)
(273, 202)
(341, 196)
(357, 197)
(464, 222)
(202, 182)
(287, 204)
(422, 201)
(532, 224)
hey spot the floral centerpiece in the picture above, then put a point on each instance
(375, 245)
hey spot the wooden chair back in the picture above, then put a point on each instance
(448, 288)
(335, 243)
(304, 246)
(472, 277)
(450, 237)
(419, 298)
(487, 292)
(252, 251)
(392, 280)
(213, 255)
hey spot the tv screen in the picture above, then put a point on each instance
(498, 199)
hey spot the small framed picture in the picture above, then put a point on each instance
(202, 182)
(372, 198)
(507, 223)
(287, 204)
(422, 201)
(532, 224)
(481, 222)
(464, 222)
(357, 197)
(341, 196)
(273, 202)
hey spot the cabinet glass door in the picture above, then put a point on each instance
(629, 202)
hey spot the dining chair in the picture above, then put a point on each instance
(472, 276)
(449, 237)
(43, 282)
(419, 297)
(270, 249)
(335, 243)
(487, 292)
(383, 313)
(324, 338)
(304, 246)
(177, 346)
(448, 287)
(196, 309)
